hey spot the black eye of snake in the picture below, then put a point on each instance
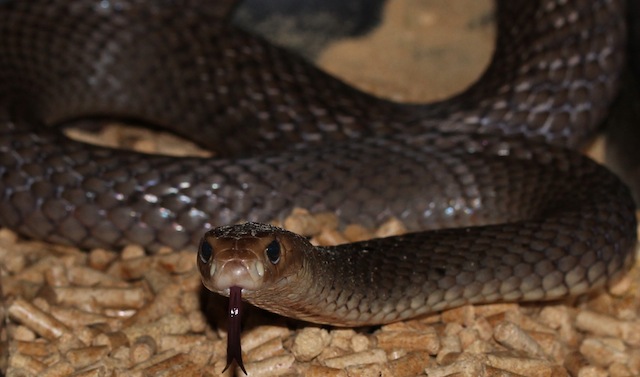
(273, 252)
(205, 252)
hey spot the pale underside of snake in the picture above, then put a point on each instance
(498, 207)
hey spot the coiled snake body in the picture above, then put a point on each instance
(511, 214)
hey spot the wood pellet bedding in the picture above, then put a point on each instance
(125, 313)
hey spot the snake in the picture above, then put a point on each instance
(499, 203)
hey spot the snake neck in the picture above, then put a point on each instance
(290, 295)
(328, 289)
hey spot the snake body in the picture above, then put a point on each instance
(499, 210)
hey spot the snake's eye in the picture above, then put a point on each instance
(273, 252)
(205, 252)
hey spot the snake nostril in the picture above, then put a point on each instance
(205, 251)
(273, 252)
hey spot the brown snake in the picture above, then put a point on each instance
(499, 209)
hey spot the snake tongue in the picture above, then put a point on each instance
(234, 348)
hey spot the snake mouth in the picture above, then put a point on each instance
(246, 274)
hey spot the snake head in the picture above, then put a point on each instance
(247, 260)
(251, 256)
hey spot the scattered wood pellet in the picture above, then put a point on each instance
(410, 364)
(59, 369)
(561, 319)
(463, 315)
(120, 298)
(302, 222)
(132, 252)
(185, 341)
(377, 356)
(35, 319)
(142, 349)
(515, 338)
(158, 359)
(329, 237)
(82, 357)
(592, 371)
(521, 365)
(629, 331)
(169, 324)
(273, 366)
(309, 342)
(322, 371)
(99, 259)
(619, 370)
(270, 348)
(260, 335)
(391, 227)
(85, 276)
(604, 351)
(327, 220)
(56, 276)
(427, 340)
(449, 345)
(176, 365)
(357, 232)
(23, 364)
(158, 306)
(23, 333)
(37, 349)
(360, 342)
(113, 340)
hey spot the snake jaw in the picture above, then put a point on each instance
(246, 274)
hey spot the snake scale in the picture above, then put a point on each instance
(499, 206)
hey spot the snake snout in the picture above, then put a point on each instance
(245, 273)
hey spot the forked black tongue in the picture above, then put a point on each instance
(234, 348)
